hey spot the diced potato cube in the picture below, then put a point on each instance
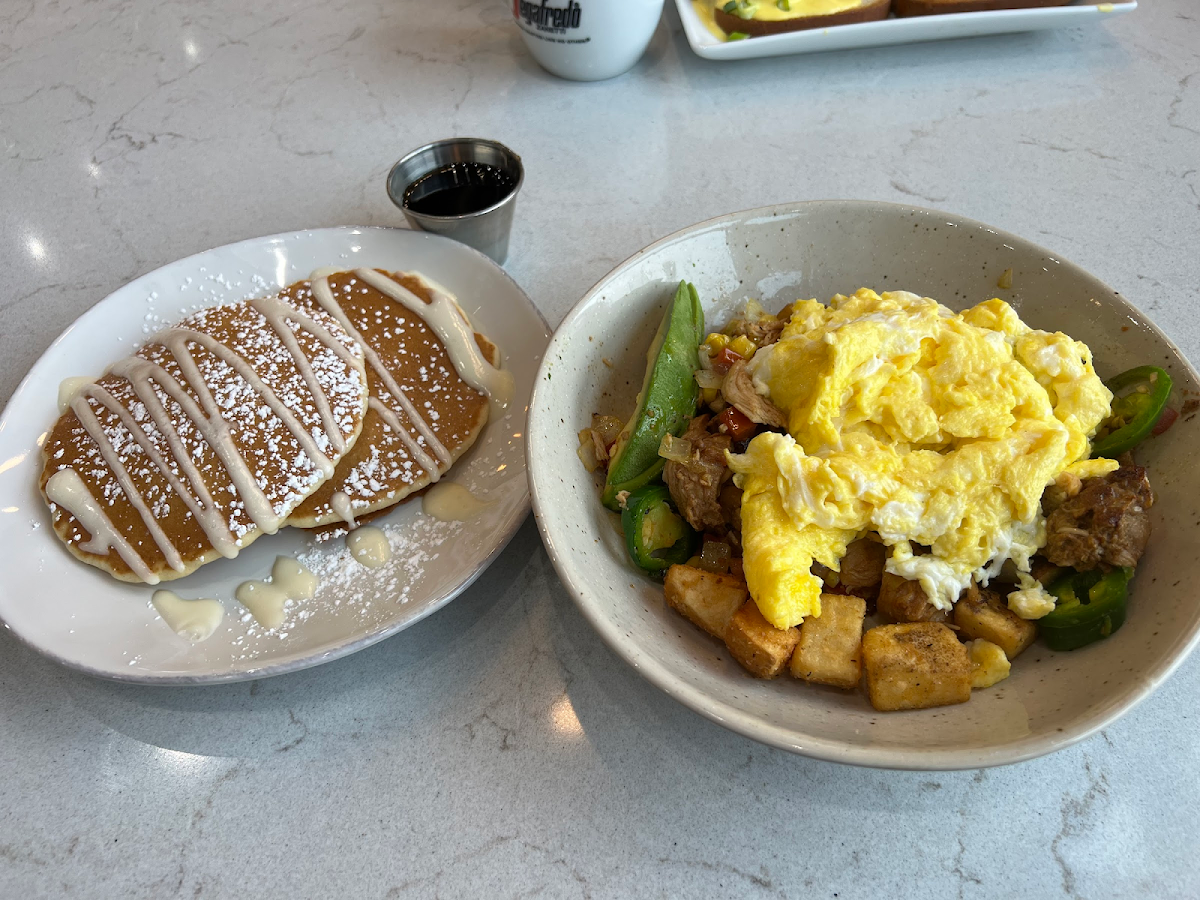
(901, 600)
(980, 613)
(830, 648)
(761, 648)
(707, 599)
(988, 663)
(915, 665)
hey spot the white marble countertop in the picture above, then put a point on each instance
(497, 748)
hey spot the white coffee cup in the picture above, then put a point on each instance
(587, 40)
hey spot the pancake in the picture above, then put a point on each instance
(207, 437)
(422, 414)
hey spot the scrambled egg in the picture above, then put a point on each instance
(988, 663)
(918, 424)
(1030, 601)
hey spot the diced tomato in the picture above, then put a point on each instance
(724, 360)
(1165, 421)
(734, 424)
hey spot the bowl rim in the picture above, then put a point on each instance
(746, 724)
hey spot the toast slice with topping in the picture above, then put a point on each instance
(762, 17)
(940, 7)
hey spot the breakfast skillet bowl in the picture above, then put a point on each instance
(595, 365)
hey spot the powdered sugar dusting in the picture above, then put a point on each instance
(413, 548)
(349, 592)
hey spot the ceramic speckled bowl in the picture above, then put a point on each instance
(596, 361)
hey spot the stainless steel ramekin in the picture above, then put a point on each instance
(487, 229)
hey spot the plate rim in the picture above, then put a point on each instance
(763, 731)
(508, 529)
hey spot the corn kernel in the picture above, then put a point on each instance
(716, 342)
(708, 395)
(742, 346)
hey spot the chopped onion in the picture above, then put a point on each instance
(829, 577)
(587, 450)
(601, 448)
(714, 556)
(709, 378)
(607, 427)
(675, 449)
(753, 310)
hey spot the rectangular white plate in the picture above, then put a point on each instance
(893, 31)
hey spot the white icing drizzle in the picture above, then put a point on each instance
(177, 339)
(89, 421)
(195, 620)
(264, 601)
(205, 511)
(67, 389)
(290, 576)
(277, 313)
(67, 489)
(267, 600)
(324, 296)
(454, 331)
(424, 460)
(340, 504)
(142, 375)
(451, 502)
(369, 546)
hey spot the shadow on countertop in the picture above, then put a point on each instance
(413, 674)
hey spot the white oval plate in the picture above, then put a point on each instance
(596, 361)
(895, 30)
(87, 620)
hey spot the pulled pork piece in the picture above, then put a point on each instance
(901, 600)
(1105, 523)
(696, 485)
(762, 331)
(862, 566)
(730, 499)
(738, 391)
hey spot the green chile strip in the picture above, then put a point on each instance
(1149, 406)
